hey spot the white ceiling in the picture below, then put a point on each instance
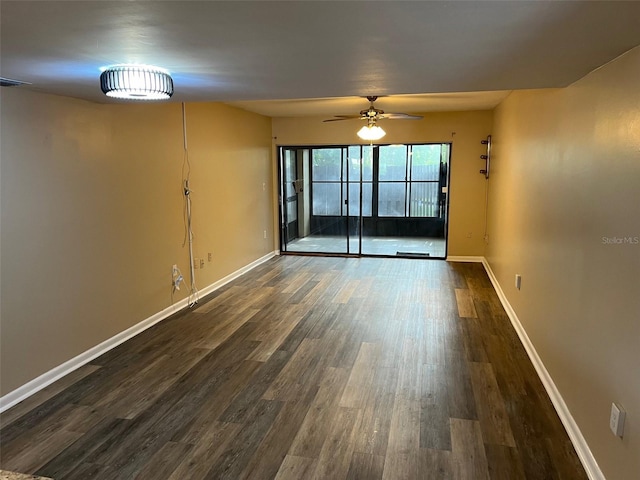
(250, 53)
(432, 102)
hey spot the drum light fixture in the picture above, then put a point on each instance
(136, 82)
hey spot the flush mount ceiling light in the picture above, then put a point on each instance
(371, 132)
(136, 82)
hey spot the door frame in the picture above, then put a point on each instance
(443, 190)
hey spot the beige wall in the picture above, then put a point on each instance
(566, 175)
(467, 190)
(92, 216)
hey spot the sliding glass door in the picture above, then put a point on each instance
(386, 200)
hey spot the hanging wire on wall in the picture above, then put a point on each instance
(188, 238)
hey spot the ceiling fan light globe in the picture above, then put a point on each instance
(371, 132)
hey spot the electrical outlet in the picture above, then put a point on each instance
(616, 420)
(202, 263)
(264, 234)
(518, 281)
(210, 256)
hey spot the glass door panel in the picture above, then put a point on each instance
(290, 196)
(328, 224)
(320, 200)
(409, 200)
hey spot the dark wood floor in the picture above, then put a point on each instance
(307, 367)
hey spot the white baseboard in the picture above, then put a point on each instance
(579, 443)
(21, 393)
(457, 258)
(232, 276)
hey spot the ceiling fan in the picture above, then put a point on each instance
(371, 131)
(373, 114)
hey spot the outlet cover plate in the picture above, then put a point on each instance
(616, 420)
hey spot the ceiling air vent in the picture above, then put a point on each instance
(7, 82)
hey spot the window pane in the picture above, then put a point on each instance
(446, 149)
(424, 200)
(367, 163)
(292, 211)
(357, 154)
(393, 162)
(367, 199)
(289, 172)
(425, 162)
(326, 199)
(354, 199)
(325, 164)
(391, 199)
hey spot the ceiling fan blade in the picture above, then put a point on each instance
(373, 114)
(341, 117)
(401, 116)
